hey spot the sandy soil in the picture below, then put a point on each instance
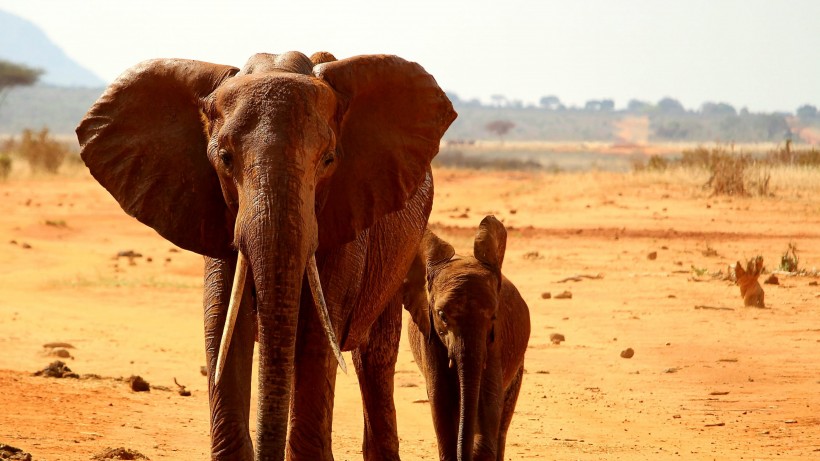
(735, 383)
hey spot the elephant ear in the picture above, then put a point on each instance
(435, 252)
(144, 140)
(490, 244)
(414, 295)
(391, 118)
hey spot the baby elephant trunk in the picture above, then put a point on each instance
(470, 356)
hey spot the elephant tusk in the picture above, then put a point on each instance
(321, 309)
(233, 309)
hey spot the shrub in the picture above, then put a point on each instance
(727, 172)
(789, 260)
(42, 152)
(5, 165)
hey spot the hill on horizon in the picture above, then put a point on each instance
(23, 42)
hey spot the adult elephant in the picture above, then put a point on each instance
(292, 166)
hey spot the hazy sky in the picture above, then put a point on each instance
(764, 55)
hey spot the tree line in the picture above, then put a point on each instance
(666, 105)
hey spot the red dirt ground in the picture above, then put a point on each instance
(703, 384)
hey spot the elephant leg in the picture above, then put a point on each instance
(230, 400)
(311, 411)
(443, 393)
(375, 363)
(507, 411)
(485, 446)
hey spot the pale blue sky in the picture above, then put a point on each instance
(764, 55)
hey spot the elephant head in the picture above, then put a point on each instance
(284, 158)
(458, 310)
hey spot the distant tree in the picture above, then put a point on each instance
(607, 105)
(499, 128)
(720, 108)
(550, 102)
(12, 75)
(670, 106)
(806, 112)
(744, 111)
(635, 105)
(499, 100)
(593, 105)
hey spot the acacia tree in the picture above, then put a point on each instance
(12, 74)
(499, 128)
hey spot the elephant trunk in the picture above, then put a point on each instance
(278, 236)
(469, 358)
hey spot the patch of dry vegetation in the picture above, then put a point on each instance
(739, 173)
(40, 150)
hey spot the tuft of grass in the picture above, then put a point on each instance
(789, 260)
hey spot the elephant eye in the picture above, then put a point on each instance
(442, 316)
(226, 158)
(329, 158)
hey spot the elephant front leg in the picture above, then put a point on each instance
(489, 411)
(375, 363)
(311, 411)
(510, 397)
(230, 400)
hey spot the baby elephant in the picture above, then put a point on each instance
(469, 332)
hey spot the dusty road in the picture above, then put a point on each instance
(704, 384)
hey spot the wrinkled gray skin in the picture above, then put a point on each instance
(289, 158)
(468, 333)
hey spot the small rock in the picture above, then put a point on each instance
(56, 369)
(546, 295)
(58, 344)
(772, 280)
(13, 454)
(564, 295)
(25, 245)
(652, 256)
(531, 255)
(138, 384)
(203, 370)
(790, 421)
(813, 283)
(62, 353)
(557, 338)
(128, 254)
(118, 453)
(627, 353)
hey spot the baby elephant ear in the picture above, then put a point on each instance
(392, 115)
(414, 295)
(491, 243)
(435, 252)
